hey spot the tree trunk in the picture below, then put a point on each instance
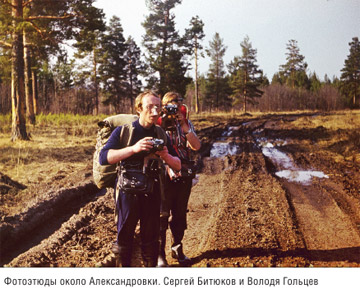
(55, 102)
(131, 89)
(196, 81)
(96, 85)
(245, 92)
(34, 91)
(18, 130)
(245, 104)
(28, 85)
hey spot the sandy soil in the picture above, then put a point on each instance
(241, 213)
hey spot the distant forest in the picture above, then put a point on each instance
(107, 71)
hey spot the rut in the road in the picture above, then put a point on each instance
(23, 231)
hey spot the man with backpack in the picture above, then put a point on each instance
(139, 186)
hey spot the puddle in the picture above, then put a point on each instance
(284, 163)
(229, 131)
(279, 158)
(269, 148)
(222, 149)
(304, 177)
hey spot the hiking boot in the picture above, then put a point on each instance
(149, 253)
(178, 254)
(161, 261)
(122, 255)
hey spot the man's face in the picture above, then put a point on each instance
(150, 110)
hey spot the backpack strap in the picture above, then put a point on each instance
(126, 135)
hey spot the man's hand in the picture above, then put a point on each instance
(173, 162)
(144, 144)
(164, 153)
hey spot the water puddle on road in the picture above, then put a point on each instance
(222, 149)
(223, 146)
(270, 148)
(284, 163)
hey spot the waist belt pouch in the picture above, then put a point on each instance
(135, 181)
(188, 169)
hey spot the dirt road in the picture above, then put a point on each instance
(269, 195)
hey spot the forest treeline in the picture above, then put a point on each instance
(106, 70)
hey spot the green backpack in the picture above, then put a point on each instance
(105, 175)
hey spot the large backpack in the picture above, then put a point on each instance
(105, 175)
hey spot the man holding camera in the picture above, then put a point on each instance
(133, 205)
(183, 138)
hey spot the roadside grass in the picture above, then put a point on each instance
(59, 146)
(344, 129)
(56, 141)
(344, 120)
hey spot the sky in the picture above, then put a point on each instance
(322, 28)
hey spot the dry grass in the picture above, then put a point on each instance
(58, 143)
(60, 146)
(43, 157)
(343, 130)
(345, 120)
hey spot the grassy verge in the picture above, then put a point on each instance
(343, 129)
(56, 140)
(60, 146)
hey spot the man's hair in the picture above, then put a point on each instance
(169, 97)
(139, 99)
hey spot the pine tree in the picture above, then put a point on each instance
(294, 71)
(194, 35)
(113, 64)
(350, 76)
(246, 77)
(315, 83)
(166, 51)
(134, 67)
(88, 45)
(216, 86)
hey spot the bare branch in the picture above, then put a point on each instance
(38, 29)
(50, 17)
(5, 44)
(27, 3)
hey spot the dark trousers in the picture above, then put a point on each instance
(131, 209)
(177, 198)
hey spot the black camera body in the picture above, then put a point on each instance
(168, 117)
(171, 109)
(158, 144)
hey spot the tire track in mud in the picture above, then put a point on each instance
(25, 230)
(70, 244)
(325, 227)
(84, 240)
(330, 231)
(239, 214)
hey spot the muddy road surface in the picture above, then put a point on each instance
(269, 195)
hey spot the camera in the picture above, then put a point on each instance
(158, 144)
(171, 109)
(168, 117)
